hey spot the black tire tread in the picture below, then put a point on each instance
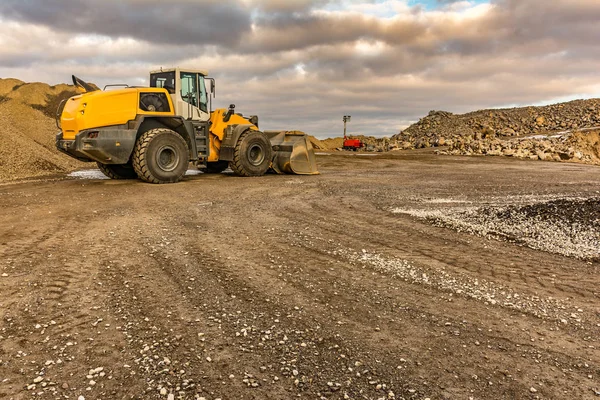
(236, 165)
(110, 171)
(139, 154)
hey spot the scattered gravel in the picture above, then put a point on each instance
(464, 285)
(570, 227)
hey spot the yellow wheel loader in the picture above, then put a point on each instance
(153, 133)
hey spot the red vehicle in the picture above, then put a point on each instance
(353, 144)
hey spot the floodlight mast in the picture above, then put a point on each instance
(346, 119)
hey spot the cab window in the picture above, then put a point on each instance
(163, 80)
(203, 95)
(189, 88)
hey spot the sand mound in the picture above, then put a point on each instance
(37, 94)
(7, 85)
(28, 129)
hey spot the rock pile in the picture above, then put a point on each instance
(27, 130)
(559, 132)
(583, 146)
(440, 126)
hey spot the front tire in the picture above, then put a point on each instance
(118, 171)
(252, 154)
(160, 156)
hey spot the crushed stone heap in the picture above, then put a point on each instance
(560, 132)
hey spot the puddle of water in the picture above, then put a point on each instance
(88, 174)
(97, 174)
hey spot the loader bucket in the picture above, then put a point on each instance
(293, 153)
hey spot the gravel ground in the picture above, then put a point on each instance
(283, 287)
(570, 227)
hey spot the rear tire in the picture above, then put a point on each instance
(216, 167)
(160, 156)
(252, 154)
(118, 171)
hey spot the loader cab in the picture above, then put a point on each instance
(187, 89)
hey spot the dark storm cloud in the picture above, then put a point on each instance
(174, 22)
(303, 64)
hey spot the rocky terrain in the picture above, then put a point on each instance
(559, 132)
(579, 146)
(440, 126)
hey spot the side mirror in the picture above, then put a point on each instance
(213, 86)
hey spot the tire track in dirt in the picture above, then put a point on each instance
(493, 256)
(254, 265)
(301, 290)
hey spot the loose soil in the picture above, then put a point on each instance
(28, 130)
(284, 287)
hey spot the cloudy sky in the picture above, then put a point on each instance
(302, 64)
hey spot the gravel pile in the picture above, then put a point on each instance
(570, 227)
(581, 147)
(27, 131)
(558, 132)
(441, 127)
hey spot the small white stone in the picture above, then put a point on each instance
(38, 379)
(163, 391)
(532, 389)
(4, 275)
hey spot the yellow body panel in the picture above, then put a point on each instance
(218, 128)
(99, 109)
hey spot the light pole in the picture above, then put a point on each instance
(346, 119)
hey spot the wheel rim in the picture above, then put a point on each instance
(167, 158)
(256, 155)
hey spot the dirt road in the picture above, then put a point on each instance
(282, 287)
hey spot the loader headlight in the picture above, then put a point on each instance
(82, 112)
